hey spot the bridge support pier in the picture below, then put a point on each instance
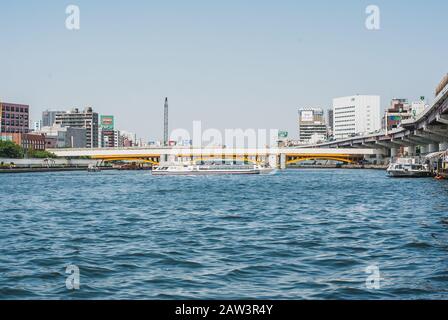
(167, 159)
(393, 152)
(411, 151)
(433, 147)
(282, 161)
(379, 159)
(273, 161)
(443, 146)
(429, 148)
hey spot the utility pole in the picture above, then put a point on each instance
(165, 124)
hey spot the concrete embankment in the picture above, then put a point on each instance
(45, 162)
(350, 167)
(42, 165)
(35, 170)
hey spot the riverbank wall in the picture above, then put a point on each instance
(348, 167)
(44, 165)
(50, 169)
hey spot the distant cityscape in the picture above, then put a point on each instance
(350, 116)
(353, 116)
(74, 128)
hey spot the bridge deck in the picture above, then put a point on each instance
(197, 152)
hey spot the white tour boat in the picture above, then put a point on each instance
(408, 168)
(211, 169)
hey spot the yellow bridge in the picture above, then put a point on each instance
(274, 157)
(345, 158)
(155, 160)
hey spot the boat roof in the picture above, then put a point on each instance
(435, 155)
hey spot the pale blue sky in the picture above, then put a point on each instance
(231, 64)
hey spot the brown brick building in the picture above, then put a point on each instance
(28, 141)
(14, 118)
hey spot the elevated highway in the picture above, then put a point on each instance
(428, 132)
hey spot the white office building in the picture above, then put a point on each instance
(37, 125)
(312, 126)
(418, 108)
(356, 115)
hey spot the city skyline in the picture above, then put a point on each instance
(215, 61)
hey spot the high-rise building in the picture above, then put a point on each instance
(37, 125)
(111, 138)
(49, 117)
(356, 115)
(312, 126)
(14, 118)
(57, 136)
(398, 111)
(129, 138)
(401, 109)
(86, 119)
(418, 107)
(330, 123)
(442, 85)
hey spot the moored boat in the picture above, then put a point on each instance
(93, 168)
(408, 168)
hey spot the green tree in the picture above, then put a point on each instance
(9, 149)
(39, 154)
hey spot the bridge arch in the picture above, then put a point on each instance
(341, 158)
(141, 160)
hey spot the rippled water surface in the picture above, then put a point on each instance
(297, 234)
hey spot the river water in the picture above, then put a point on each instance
(298, 234)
